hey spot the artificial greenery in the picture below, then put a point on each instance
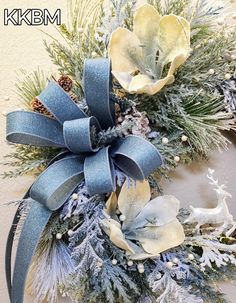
(79, 38)
(28, 159)
(94, 277)
(30, 85)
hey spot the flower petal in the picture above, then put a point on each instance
(176, 63)
(139, 83)
(144, 84)
(111, 205)
(139, 252)
(123, 78)
(132, 199)
(157, 212)
(173, 38)
(146, 24)
(125, 51)
(113, 229)
(155, 240)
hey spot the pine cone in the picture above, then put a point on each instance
(65, 82)
(74, 97)
(38, 107)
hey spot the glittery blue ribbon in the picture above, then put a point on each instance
(71, 129)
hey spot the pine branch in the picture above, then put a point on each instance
(52, 257)
(116, 280)
(170, 291)
(81, 42)
(108, 136)
(28, 159)
(30, 85)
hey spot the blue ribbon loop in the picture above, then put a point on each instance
(99, 173)
(54, 186)
(59, 103)
(33, 129)
(136, 157)
(77, 134)
(97, 87)
(71, 129)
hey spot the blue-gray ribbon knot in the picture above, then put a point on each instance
(71, 129)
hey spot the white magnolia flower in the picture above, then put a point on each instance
(139, 57)
(148, 227)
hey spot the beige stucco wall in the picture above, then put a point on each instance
(22, 47)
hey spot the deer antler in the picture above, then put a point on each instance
(211, 178)
(220, 189)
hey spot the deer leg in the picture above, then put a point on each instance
(220, 229)
(197, 228)
(231, 230)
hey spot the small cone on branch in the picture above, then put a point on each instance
(38, 107)
(65, 82)
(74, 97)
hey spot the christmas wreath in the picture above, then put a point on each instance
(141, 89)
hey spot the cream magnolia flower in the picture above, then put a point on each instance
(147, 227)
(139, 57)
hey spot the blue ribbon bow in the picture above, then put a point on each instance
(135, 156)
(71, 129)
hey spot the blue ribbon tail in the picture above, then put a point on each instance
(59, 103)
(37, 217)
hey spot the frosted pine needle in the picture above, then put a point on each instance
(51, 266)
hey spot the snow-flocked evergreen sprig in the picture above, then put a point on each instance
(51, 266)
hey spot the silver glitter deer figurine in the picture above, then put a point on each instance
(218, 216)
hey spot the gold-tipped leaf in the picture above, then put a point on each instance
(139, 252)
(144, 84)
(113, 230)
(111, 206)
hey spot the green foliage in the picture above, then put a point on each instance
(193, 105)
(174, 7)
(30, 85)
(27, 159)
(79, 38)
(58, 225)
